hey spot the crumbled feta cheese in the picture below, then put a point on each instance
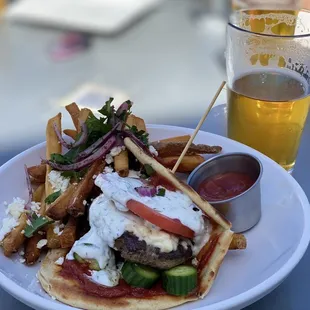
(116, 150)
(153, 150)
(28, 222)
(21, 253)
(41, 243)
(22, 260)
(94, 176)
(84, 202)
(58, 228)
(60, 261)
(195, 261)
(109, 159)
(184, 244)
(16, 208)
(58, 182)
(35, 207)
(7, 225)
(41, 233)
(22, 232)
(107, 169)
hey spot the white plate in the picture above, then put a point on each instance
(275, 245)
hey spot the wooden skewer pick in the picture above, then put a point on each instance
(198, 127)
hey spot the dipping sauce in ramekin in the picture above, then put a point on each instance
(223, 186)
(231, 183)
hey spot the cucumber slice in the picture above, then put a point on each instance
(78, 258)
(93, 264)
(139, 275)
(180, 280)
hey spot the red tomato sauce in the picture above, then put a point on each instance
(79, 272)
(207, 252)
(158, 180)
(224, 186)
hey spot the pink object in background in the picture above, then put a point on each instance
(69, 45)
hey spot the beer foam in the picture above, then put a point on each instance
(271, 21)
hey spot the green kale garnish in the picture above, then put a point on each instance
(107, 110)
(75, 175)
(149, 170)
(36, 224)
(142, 135)
(52, 197)
(161, 192)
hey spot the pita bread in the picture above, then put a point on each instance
(209, 259)
(209, 270)
(69, 292)
(186, 189)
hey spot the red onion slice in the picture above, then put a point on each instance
(96, 144)
(124, 107)
(83, 137)
(101, 152)
(129, 134)
(146, 191)
(28, 204)
(60, 138)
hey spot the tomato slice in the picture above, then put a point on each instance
(170, 225)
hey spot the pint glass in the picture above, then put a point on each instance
(268, 78)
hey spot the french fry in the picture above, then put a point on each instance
(84, 114)
(179, 139)
(140, 124)
(76, 205)
(58, 209)
(71, 133)
(52, 146)
(42, 210)
(238, 242)
(166, 149)
(53, 240)
(32, 253)
(68, 236)
(188, 164)
(14, 239)
(74, 112)
(38, 193)
(37, 173)
(121, 161)
(121, 164)
(131, 120)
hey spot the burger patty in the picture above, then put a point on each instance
(138, 251)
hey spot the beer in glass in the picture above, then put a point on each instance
(269, 81)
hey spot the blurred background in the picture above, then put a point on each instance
(165, 55)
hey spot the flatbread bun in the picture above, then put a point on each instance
(69, 291)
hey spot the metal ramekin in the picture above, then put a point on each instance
(244, 210)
